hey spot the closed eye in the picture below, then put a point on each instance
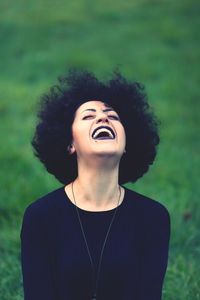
(88, 117)
(112, 117)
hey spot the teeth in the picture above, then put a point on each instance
(103, 130)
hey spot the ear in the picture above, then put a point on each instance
(71, 149)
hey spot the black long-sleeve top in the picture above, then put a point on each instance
(55, 261)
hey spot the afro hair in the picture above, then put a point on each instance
(56, 114)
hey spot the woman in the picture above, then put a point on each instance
(93, 238)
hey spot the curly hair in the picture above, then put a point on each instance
(56, 114)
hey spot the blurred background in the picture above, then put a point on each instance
(155, 42)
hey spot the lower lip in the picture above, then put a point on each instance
(103, 139)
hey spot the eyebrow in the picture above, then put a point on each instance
(94, 110)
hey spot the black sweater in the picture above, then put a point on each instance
(55, 261)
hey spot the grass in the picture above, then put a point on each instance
(155, 42)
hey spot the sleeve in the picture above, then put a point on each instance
(36, 267)
(154, 256)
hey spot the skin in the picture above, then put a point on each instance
(96, 188)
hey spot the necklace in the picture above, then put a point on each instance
(95, 284)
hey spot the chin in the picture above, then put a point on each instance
(108, 153)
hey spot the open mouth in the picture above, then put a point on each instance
(103, 133)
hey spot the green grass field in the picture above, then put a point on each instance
(156, 42)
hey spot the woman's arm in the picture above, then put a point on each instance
(35, 257)
(155, 255)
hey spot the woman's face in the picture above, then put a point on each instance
(97, 130)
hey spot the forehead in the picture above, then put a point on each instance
(93, 104)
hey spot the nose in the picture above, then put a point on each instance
(102, 118)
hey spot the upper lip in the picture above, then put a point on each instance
(102, 126)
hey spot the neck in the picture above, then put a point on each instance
(97, 188)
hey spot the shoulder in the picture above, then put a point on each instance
(146, 207)
(43, 206)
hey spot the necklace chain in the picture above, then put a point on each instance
(104, 243)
